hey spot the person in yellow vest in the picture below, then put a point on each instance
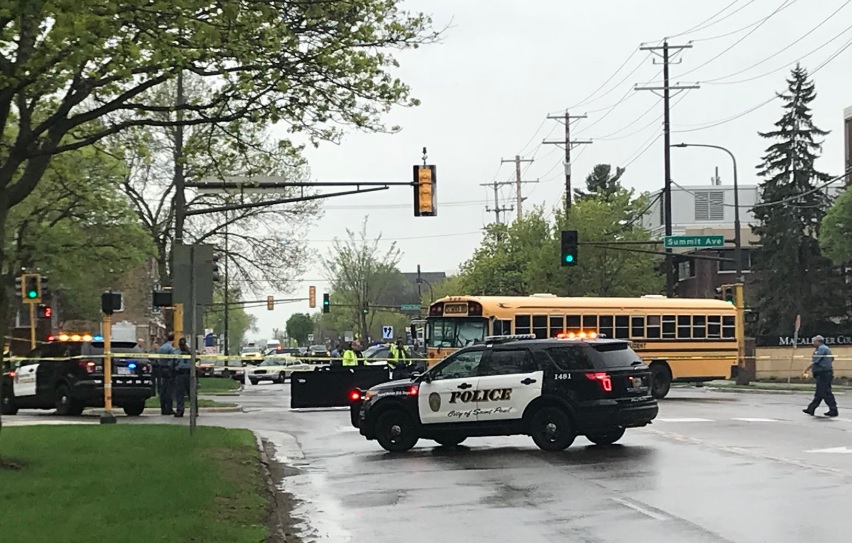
(399, 360)
(349, 358)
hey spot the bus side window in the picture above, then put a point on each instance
(572, 323)
(622, 327)
(590, 323)
(522, 324)
(728, 327)
(606, 326)
(699, 326)
(654, 331)
(669, 327)
(502, 328)
(684, 327)
(637, 327)
(540, 326)
(557, 324)
(714, 327)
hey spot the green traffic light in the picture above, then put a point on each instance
(32, 294)
(569, 258)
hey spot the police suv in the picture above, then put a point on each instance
(550, 389)
(66, 374)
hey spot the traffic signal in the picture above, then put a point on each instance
(425, 191)
(726, 293)
(44, 311)
(312, 297)
(326, 305)
(270, 303)
(161, 298)
(112, 302)
(215, 266)
(366, 309)
(31, 287)
(569, 248)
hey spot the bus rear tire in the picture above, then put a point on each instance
(661, 380)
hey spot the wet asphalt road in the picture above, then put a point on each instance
(714, 467)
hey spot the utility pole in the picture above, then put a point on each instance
(180, 191)
(497, 209)
(519, 196)
(226, 346)
(568, 145)
(667, 182)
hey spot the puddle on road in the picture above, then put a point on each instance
(314, 512)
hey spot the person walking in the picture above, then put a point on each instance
(181, 379)
(823, 373)
(165, 374)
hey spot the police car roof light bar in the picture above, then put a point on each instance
(502, 339)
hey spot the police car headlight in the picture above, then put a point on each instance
(370, 394)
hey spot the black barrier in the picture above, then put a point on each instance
(330, 387)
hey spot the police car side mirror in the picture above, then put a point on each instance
(426, 377)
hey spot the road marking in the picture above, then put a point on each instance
(833, 450)
(647, 512)
(48, 422)
(682, 420)
(347, 429)
(746, 419)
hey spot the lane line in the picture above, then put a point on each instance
(747, 419)
(647, 512)
(683, 420)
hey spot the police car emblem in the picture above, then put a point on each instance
(434, 401)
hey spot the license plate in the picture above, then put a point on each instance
(124, 371)
(637, 382)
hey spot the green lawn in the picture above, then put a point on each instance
(213, 385)
(154, 403)
(131, 483)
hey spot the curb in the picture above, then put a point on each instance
(278, 530)
(235, 409)
(841, 392)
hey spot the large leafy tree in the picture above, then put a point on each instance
(362, 276)
(791, 276)
(835, 235)
(299, 326)
(73, 73)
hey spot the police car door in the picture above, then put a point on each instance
(509, 380)
(448, 396)
(25, 381)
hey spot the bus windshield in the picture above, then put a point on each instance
(455, 333)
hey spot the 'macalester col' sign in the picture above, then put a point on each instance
(787, 341)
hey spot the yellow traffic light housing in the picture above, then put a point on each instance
(425, 191)
(31, 288)
(270, 303)
(312, 297)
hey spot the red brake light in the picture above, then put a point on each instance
(355, 395)
(87, 365)
(11, 374)
(413, 390)
(603, 378)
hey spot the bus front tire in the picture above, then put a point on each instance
(661, 380)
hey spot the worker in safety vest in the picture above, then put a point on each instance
(349, 358)
(399, 360)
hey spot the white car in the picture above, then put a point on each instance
(276, 369)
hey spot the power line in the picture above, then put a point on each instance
(432, 236)
(568, 144)
(497, 209)
(519, 197)
(586, 100)
(701, 26)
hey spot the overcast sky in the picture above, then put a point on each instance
(504, 65)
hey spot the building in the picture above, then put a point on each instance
(706, 210)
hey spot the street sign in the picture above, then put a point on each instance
(387, 332)
(348, 335)
(671, 242)
(409, 307)
(310, 337)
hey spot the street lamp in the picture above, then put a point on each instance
(737, 237)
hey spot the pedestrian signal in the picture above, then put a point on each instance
(569, 248)
(425, 191)
(44, 312)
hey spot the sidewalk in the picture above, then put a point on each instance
(763, 386)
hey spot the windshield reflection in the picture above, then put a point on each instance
(455, 332)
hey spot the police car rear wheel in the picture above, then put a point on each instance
(607, 437)
(661, 380)
(552, 429)
(65, 405)
(395, 431)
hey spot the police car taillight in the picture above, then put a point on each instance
(602, 378)
(355, 395)
(413, 390)
(87, 365)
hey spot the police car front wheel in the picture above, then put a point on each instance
(552, 429)
(395, 431)
(65, 405)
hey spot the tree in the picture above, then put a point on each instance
(239, 322)
(791, 276)
(299, 326)
(361, 275)
(264, 243)
(836, 230)
(72, 74)
(601, 182)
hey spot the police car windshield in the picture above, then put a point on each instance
(616, 355)
(455, 332)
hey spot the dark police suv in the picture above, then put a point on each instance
(67, 375)
(550, 389)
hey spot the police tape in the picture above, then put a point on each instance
(123, 355)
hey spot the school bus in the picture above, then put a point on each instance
(681, 339)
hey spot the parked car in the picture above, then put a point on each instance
(276, 369)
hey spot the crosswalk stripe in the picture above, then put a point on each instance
(746, 419)
(682, 420)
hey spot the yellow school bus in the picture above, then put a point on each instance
(681, 339)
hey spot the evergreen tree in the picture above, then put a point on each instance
(791, 276)
(601, 182)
